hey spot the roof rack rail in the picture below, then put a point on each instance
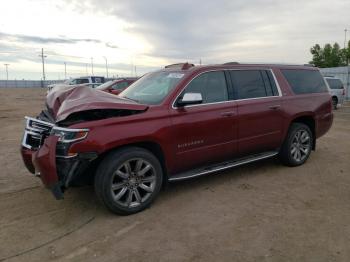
(180, 66)
(310, 65)
(231, 63)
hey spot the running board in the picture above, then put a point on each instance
(222, 166)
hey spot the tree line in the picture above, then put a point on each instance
(330, 55)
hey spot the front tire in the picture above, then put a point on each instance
(297, 147)
(128, 180)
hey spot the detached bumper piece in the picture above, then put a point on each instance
(44, 161)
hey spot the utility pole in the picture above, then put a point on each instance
(106, 65)
(92, 66)
(7, 71)
(65, 70)
(345, 31)
(43, 61)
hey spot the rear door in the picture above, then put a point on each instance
(259, 105)
(206, 133)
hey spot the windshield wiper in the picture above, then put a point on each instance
(137, 101)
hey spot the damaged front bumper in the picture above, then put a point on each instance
(45, 155)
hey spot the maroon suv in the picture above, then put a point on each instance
(174, 124)
(117, 86)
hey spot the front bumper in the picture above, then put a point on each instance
(42, 163)
(38, 152)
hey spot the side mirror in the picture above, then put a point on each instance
(190, 99)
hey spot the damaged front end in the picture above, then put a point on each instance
(48, 140)
(46, 153)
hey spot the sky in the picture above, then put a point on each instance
(135, 37)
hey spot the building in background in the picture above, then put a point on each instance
(342, 73)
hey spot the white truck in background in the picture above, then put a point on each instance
(92, 81)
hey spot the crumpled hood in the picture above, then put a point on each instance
(65, 100)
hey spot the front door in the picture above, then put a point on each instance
(205, 133)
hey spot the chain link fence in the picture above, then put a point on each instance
(27, 83)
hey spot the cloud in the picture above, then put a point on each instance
(245, 29)
(111, 46)
(44, 40)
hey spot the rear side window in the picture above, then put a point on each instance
(335, 83)
(305, 81)
(211, 85)
(248, 84)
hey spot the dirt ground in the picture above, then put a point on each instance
(258, 212)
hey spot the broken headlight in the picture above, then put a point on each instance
(67, 135)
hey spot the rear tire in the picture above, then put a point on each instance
(335, 102)
(128, 180)
(297, 146)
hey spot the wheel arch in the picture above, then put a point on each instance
(308, 120)
(152, 146)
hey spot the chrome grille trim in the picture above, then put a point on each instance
(35, 130)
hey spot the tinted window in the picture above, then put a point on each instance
(82, 81)
(305, 81)
(97, 79)
(248, 84)
(334, 83)
(120, 85)
(211, 85)
(272, 83)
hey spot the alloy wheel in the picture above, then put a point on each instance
(133, 182)
(301, 145)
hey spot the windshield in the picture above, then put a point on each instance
(103, 86)
(152, 88)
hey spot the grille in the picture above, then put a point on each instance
(35, 133)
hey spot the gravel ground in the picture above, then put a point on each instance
(259, 212)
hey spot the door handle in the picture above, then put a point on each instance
(227, 114)
(274, 107)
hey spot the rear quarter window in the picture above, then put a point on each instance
(305, 81)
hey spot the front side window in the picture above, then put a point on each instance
(152, 88)
(305, 81)
(248, 84)
(211, 85)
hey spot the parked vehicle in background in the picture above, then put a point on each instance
(174, 124)
(92, 81)
(337, 91)
(117, 86)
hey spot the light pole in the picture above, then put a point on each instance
(345, 32)
(7, 71)
(106, 65)
(65, 70)
(92, 66)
